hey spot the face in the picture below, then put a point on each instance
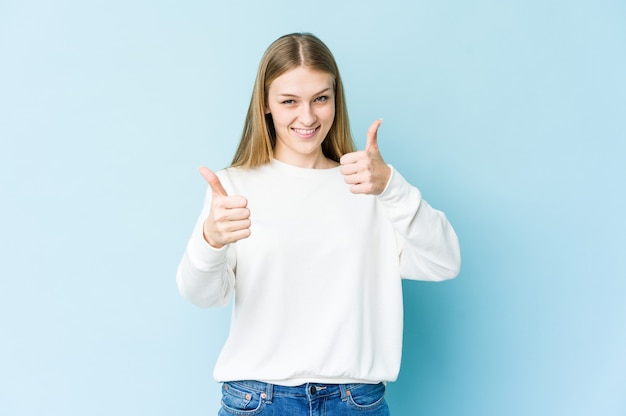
(302, 104)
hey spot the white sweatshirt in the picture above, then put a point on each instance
(318, 294)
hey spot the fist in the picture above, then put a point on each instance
(365, 171)
(229, 218)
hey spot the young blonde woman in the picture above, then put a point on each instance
(312, 238)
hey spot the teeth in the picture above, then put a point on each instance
(304, 131)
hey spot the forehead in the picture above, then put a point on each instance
(301, 81)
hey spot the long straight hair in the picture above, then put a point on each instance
(288, 52)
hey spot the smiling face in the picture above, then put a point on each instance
(301, 102)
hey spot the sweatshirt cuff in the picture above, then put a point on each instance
(398, 190)
(203, 255)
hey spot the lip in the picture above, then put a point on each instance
(305, 133)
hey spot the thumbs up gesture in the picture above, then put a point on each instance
(229, 218)
(365, 171)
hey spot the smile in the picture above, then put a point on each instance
(305, 132)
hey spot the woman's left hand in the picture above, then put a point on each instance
(366, 171)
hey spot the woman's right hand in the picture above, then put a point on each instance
(229, 218)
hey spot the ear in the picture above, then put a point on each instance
(267, 108)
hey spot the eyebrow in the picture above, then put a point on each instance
(296, 96)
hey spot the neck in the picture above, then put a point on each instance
(308, 162)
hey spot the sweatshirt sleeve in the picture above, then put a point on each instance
(205, 275)
(429, 247)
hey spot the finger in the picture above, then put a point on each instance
(362, 188)
(240, 235)
(349, 169)
(213, 181)
(229, 237)
(349, 158)
(231, 227)
(372, 135)
(231, 202)
(233, 214)
(354, 179)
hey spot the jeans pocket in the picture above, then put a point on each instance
(366, 396)
(241, 401)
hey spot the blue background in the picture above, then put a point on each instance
(510, 116)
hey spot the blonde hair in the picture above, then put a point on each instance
(288, 52)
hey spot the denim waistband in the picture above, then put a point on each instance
(303, 390)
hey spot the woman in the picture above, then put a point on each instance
(312, 238)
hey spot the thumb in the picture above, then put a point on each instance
(372, 136)
(213, 181)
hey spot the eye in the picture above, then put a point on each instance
(288, 102)
(322, 99)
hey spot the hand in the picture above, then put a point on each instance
(229, 218)
(366, 171)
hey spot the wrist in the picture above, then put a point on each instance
(209, 241)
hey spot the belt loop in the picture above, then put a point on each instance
(345, 392)
(269, 391)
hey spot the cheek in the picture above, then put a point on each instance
(328, 113)
(280, 117)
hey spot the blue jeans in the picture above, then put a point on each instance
(246, 398)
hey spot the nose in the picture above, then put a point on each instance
(307, 115)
